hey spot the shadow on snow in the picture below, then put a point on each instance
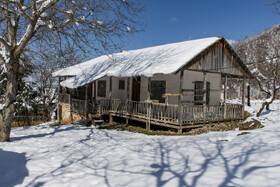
(12, 168)
(165, 160)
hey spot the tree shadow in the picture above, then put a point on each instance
(55, 130)
(235, 167)
(165, 160)
(266, 112)
(12, 168)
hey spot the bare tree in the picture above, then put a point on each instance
(27, 25)
(262, 55)
(42, 81)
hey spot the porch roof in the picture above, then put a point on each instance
(164, 59)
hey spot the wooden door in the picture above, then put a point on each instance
(136, 83)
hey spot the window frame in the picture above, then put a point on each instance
(198, 99)
(101, 90)
(153, 96)
(121, 84)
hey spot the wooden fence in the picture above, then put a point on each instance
(24, 121)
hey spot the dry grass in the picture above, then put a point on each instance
(24, 124)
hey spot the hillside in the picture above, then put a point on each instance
(261, 54)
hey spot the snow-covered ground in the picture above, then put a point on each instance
(73, 155)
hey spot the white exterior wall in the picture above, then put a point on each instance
(215, 85)
(116, 92)
(172, 86)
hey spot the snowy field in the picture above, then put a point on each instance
(74, 155)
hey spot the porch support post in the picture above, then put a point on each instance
(94, 91)
(127, 96)
(58, 105)
(243, 96)
(110, 87)
(127, 87)
(86, 101)
(149, 89)
(204, 91)
(149, 106)
(180, 108)
(225, 97)
(110, 100)
(149, 111)
(70, 103)
(59, 87)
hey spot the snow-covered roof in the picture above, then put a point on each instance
(165, 59)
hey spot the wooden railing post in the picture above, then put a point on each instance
(148, 120)
(86, 100)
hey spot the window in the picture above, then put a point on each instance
(157, 90)
(101, 88)
(121, 84)
(199, 93)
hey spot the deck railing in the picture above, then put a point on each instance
(172, 113)
(160, 112)
(214, 112)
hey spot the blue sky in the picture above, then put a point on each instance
(171, 21)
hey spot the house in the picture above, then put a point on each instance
(175, 85)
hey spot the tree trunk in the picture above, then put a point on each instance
(26, 116)
(7, 114)
(264, 105)
(267, 106)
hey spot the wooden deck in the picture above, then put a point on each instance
(166, 115)
(171, 115)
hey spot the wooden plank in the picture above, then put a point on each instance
(170, 95)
